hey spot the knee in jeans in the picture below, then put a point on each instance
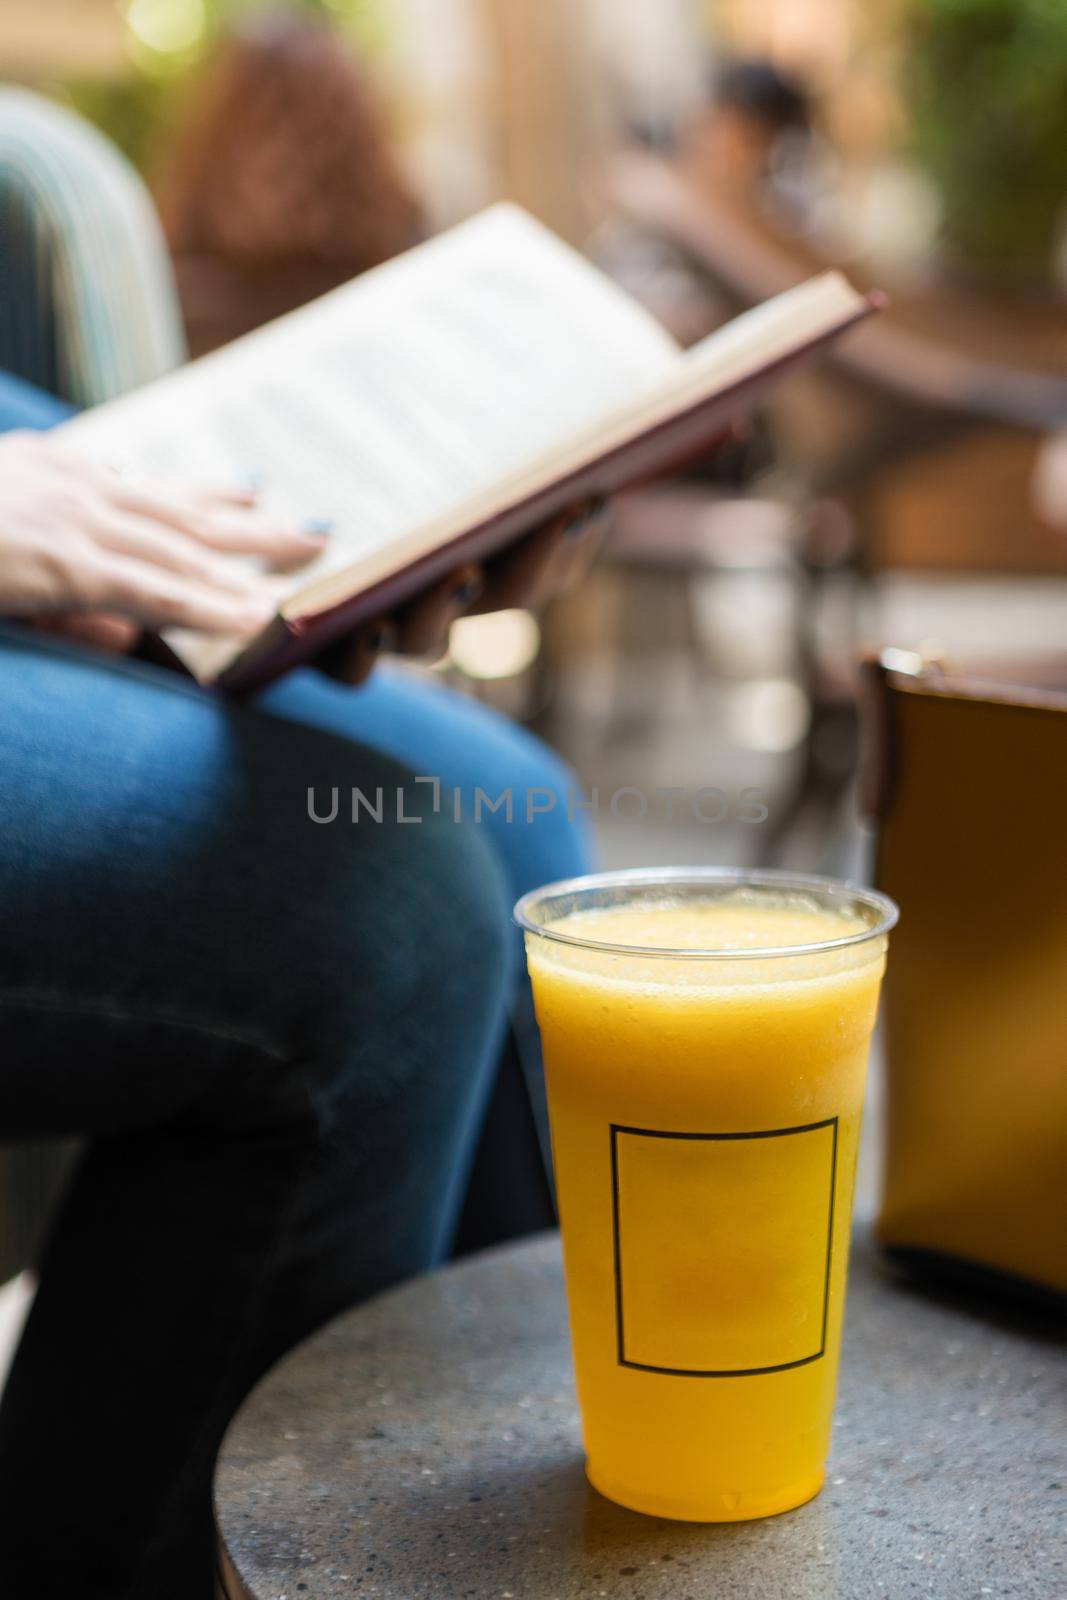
(416, 919)
(549, 805)
(465, 909)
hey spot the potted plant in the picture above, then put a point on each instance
(986, 85)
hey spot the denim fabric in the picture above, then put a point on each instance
(538, 834)
(468, 746)
(279, 1036)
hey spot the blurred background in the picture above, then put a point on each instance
(911, 493)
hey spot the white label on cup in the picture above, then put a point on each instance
(723, 1248)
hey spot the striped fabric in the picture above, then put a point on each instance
(87, 302)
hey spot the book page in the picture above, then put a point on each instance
(391, 401)
(727, 358)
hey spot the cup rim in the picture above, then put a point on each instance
(887, 911)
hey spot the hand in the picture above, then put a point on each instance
(89, 553)
(543, 564)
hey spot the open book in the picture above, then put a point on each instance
(439, 408)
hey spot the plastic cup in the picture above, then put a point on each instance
(705, 1037)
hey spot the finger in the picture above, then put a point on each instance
(283, 544)
(229, 528)
(523, 577)
(582, 539)
(422, 627)
(544, 561)
(354, 658)
(243, 491)
(246, 492)
(120, 478)
(146, 540)
(116, 635)
(518, 578)
(158, 598)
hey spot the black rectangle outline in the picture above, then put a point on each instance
(762, 1133)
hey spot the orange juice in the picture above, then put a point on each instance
(705, 1109)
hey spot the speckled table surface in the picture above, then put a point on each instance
(428, 1445)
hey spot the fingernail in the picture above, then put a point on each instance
(319, 527)
(467, 592)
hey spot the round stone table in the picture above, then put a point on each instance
(428, 1445)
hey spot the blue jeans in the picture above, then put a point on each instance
(279, 1037)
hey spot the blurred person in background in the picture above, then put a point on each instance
(744, 155)
(739, 167)
(281, 181)
(749, 142)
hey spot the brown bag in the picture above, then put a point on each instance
(968, 780)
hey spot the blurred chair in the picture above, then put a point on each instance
(965, 779)
(88, 308)
(927, 445)
(664, 540)
(281, 182)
